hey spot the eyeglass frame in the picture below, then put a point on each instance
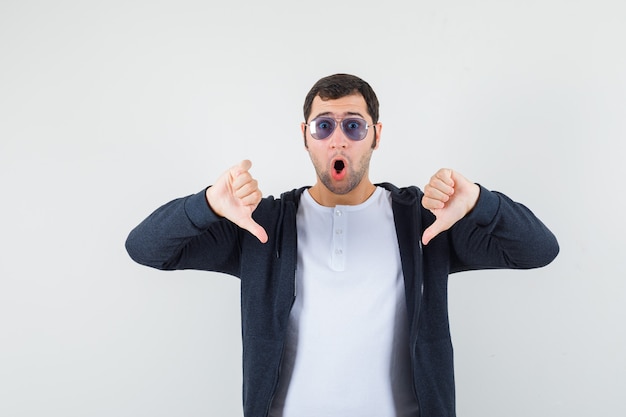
(340, 123)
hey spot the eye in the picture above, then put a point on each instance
(323, 126)
(353, 124)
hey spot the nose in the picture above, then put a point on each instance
(338, 139)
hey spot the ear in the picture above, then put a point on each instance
(303, 130)
(378, 129)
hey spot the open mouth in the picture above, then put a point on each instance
(339, 171)
(338, 166)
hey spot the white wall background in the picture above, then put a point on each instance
(109, 109)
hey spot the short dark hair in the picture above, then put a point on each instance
(338, 86)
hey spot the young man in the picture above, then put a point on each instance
(344, 284)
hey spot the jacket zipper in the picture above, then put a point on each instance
(416, 324)
(282, 351)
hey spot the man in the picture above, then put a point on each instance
(344, 284)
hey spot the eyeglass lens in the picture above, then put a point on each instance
(354, 128)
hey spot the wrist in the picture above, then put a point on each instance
(473, 197)
(209, 198)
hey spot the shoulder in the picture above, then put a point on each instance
(271, 206)
(403, 195)
(287, 197)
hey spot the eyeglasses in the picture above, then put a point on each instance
(354, 128)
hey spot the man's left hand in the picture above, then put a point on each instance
(449, 196)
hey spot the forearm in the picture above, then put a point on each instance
(500, 233)
(184, 233)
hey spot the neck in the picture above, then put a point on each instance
(327, 198)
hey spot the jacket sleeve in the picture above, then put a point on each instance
(500, 233)
(186, 234)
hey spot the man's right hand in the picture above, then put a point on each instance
(235, 195)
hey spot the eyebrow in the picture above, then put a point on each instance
(348, 113)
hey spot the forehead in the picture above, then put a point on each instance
(352, 104)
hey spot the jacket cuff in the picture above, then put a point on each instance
(486, 208)
(199, 211)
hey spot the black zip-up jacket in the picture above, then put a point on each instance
(497, 233)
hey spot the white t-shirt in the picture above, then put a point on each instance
(347, 349)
